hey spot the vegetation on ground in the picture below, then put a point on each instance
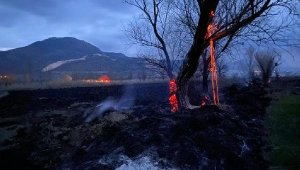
(283, 123)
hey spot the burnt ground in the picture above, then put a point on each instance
(46, 129)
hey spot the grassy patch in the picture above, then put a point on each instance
(283, 123)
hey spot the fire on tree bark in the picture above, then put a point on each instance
(157, 21)
(248, 13)
(191, 60)
(235, 19)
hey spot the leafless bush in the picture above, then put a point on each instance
(266, 62)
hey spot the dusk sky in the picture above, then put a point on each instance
(99, 22)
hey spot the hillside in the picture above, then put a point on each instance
(60, 55)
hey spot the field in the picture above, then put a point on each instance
(62, 128)
(283, 122)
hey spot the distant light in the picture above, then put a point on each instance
(104, 79)
(3, 77)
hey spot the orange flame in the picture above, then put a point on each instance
(213, 68)
(204, 101)
(104, 79)
(172, 98)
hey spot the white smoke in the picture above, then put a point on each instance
(126, 101)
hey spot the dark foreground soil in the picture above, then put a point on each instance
(46, 129)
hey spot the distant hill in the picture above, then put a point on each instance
(66, 54)
(37, 55)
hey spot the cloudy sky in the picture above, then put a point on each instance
(100, 22)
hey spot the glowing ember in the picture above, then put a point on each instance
(213, 68)
(205, 100)
(104, 79)
(173, 99)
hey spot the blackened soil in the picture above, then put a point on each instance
(48, 130)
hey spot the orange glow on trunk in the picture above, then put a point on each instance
(213, 68)
(172, 98)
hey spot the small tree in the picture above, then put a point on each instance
(153, 30)
(266, 62)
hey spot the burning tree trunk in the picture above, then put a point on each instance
(173, 96)
(214, 76)
(233, 19)
(250, 11)
(157, 21)
(191, 60)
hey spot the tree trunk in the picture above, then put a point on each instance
(205, 84)
(200, 42)
(205, 74)
(184, 100)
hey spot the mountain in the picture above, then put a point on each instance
(41, 53)
(66, 55)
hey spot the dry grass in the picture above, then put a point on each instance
(59, 84)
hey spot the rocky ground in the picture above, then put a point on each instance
(47, 129)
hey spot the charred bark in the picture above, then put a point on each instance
(204, 71)
(191, 60)
(200, 41)
(205, 74)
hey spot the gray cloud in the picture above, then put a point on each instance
(99, 22)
